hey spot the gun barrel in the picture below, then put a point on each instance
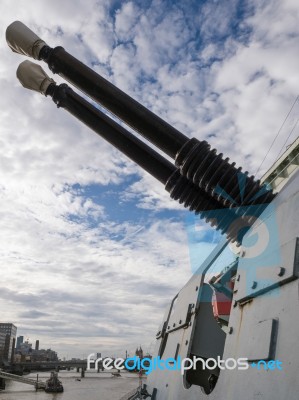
(202, 165)
(218, 181)
(22, 40)
(33, 77)
(152, 127)
(180, 188)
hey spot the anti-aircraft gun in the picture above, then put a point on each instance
(245, 312)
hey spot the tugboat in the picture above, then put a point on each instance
(116, 374)
(53, 385)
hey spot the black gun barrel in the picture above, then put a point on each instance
(112, 132)
(219, 178)
(180, 188)
(134, 114)
(196, 160)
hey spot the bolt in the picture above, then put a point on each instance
(238, 277)
(166, 385)
(196, 289)
(281, 271)
(230, 331)
(180, 321)
(186, 342)
(235, 303)
(173, 325)
(168, 327)
(254, 285)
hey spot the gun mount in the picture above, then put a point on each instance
(210, 182)
(260, 287)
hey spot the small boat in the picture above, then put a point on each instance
(53, 385)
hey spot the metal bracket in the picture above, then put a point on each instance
(180, 324)
(269, 277)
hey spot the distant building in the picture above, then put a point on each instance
(2, 346)
(10, 330)
(139, 352)
(25, 348)
(26, 353)
(44, 355)
(20, 340)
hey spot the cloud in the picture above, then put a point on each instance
(33, 314)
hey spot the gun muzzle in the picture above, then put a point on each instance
(33, 77)
(22, 40)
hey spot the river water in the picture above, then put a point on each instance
(95, 386)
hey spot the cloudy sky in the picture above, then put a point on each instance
(91, 248)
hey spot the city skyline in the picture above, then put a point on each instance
(20, 344)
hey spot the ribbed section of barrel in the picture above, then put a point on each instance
(219, 178)
(186, 193)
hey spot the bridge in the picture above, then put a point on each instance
(37, 384)
(50, 365)
(57, 365)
